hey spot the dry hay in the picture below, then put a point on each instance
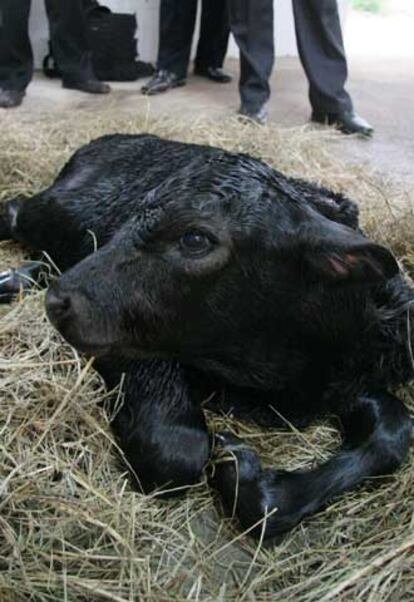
(70, 526)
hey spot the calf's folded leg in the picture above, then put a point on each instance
(32, 273)
(9, 211)
(376, 440)
(160, 429)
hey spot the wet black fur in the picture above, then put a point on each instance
(288, 310)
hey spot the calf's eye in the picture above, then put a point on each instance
(195, 243)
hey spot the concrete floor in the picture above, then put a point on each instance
(382, 91)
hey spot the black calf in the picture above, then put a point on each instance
(205, 274)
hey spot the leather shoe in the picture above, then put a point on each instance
(10, 98)
(258, 116)
(90, 85)
(216, 74)
(347, 122)
(162, 81)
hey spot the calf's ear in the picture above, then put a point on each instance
(359, 260)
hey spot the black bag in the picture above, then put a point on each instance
(113, 45)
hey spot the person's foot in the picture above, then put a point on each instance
(216, 74)
(162, 81)
(347, 122)
(10, 98)
(90, 85)
(259, 115)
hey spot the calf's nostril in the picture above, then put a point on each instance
(58, 305)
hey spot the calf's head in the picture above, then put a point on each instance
(218, 256)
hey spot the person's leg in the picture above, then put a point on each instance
(16, 60)
(177, 21)
(176, 28)
(70, 46)
(213, 41)
(321, 51)
(251, 23)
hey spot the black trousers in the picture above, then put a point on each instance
(321, 51)
(177, 21)
(251, 23)
(67, 34)
(320, 45)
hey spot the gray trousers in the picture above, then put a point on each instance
(320, 45)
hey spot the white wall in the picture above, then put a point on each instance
(147, 16)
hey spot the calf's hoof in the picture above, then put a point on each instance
(16, 281)
(263, 500)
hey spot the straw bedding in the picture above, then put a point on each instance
(70, 526)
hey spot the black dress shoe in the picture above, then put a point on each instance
(10, 98)
(216, 74)
(90, 85)
(259, 115)
(162, 81)
(347, 122)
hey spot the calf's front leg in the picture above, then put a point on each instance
(159, 428)
(376, 440)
